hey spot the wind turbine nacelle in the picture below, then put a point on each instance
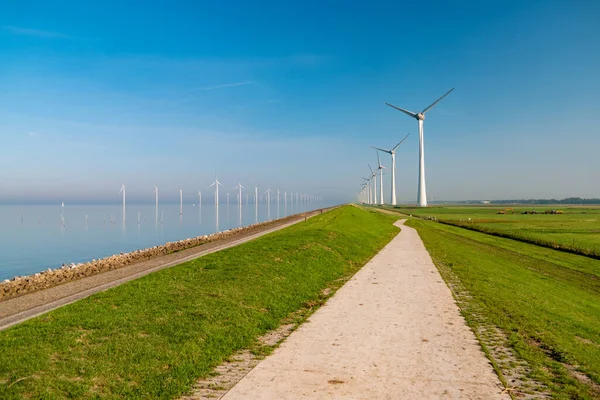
(421, 116)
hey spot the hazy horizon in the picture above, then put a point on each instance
(292, 96)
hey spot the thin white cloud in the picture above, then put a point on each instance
(16, 30)
(224, 86)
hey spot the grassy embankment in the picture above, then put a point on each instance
(576, 231)
(546, 302)
(153, 337)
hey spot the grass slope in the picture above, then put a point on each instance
(153, 337)
(547, 302)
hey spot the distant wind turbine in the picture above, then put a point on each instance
(420, 117)
(380, 168)
(239, 188)
(180, 202)
(374, 178)
(156, 196)
(256, 202)
(393, 154)
(123, 189)
(216, 184)
(268, 193)
(368, 186)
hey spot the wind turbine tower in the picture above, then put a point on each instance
(420, 117)
(239, 187)
(268, 193)
(156, 196)
(380, 168)
(256, 203)
(123, 188)
(216, 184)
(393, 154)
(374, 179)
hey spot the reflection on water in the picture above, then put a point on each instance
(35, 238)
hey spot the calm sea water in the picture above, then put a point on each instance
(33, 239)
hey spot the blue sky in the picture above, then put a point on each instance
(290, 95)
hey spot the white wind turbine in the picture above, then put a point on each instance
(277, 203)
(123, 188)
(380, 168)
(285, 203)
(393, 153)
(256, 202)
(180, 202)
(420, 117)
(374, 179)
(368, 187)
(156, 196)
(268, 193)
(216, 184)
(239, 187)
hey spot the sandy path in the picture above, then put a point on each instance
(392, 332)
(22, 308)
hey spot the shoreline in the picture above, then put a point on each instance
(22, 285)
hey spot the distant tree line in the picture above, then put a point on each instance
(568, 200)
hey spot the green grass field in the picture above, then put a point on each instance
(577, 229)
(546, 302)
(152, 338)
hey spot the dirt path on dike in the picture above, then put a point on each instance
(19, 309)
(392, 332)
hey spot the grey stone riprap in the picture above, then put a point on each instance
(21, 285)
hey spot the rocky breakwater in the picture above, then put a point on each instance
(21, 285)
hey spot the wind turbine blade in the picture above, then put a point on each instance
(370, 168)
(437, 101)
(395, 147)
(212, 184)
(409, 113)
(384, 150)
(378, 162)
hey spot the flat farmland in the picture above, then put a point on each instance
(576, 230)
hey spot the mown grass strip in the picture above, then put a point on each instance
(540, 298)
(153, 337)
